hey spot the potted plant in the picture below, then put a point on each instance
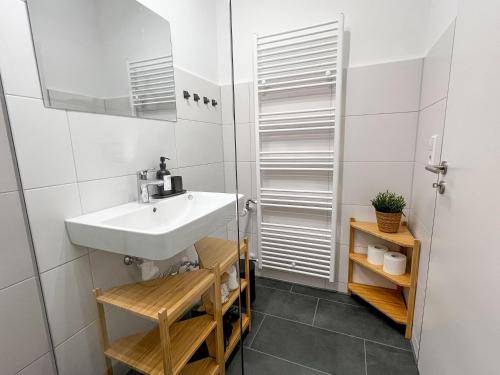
(389, 208)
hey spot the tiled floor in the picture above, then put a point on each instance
(299, 330)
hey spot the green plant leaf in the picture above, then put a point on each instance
(389, 202)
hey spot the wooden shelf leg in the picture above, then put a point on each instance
(247, 278)
(103, 330)
(219, 330)
(165, 342)
(415, 258)
(351, 250)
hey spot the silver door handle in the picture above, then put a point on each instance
(438, 169)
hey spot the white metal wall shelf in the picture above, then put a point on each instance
(297, 139)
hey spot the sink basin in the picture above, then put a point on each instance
(156, 230)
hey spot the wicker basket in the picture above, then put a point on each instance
(388, 222)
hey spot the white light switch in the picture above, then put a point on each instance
(432, 150)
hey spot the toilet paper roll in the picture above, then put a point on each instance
(376, 254)
(394, 263)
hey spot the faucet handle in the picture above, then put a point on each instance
(143, 174)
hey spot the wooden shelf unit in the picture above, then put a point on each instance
(167, 348)
(213, 251)
(389, 301)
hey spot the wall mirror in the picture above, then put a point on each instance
(104, 56)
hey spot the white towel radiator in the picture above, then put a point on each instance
(151, 83)
(298, 100)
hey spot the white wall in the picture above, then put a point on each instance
(439, 39)
(24, 341)
(194, 34)
(145, 35)
(380, 31)
(382, 103)
(73, 163)
(440, 14)
(71, 62)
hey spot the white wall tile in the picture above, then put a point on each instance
(227, 104)
(43, 143)
(242, 102)
(424, 235)
(436, 72)
(244, 178)
(111, 146)
(431, 122)
(228, 142)
(121, 323)
(363, 180)
(208, 177)
(198, 143)
(8, 180)
(383, 88)
(47, 210)
(98, 195)
(16, 264)
(17, 60)
(82, 353)
(251, 98)
(42, 366)
(423, 199)
(362, 275)
(108, 270)
(22, 327)
(387, 137)
(69, 299)
(245, 147)
(191, 110)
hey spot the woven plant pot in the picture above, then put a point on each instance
(388, 222)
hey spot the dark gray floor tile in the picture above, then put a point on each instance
(272, 283)
(328, 295)
(261, 364)
(361, 322)
(284, 304)
(312, 347)
(257, 319)
(383, 360)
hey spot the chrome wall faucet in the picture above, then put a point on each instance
(143, 184)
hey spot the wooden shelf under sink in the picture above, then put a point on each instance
(175, 294)
(168, 347)
(142, 351)
(224, 252)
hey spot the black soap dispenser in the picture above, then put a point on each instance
(164, 175)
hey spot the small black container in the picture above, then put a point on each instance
(177, 184)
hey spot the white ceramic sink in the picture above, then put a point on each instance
(156, 230)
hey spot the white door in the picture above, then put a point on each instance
(461, 327)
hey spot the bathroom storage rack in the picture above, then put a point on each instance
(168, 347)
(391, 302)
(212, 251)
(298, 112)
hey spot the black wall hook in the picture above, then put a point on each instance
(196, 97)
(186, 94)
(206, 100)
(214, 102)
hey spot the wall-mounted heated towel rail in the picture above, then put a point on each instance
(298, 88)
(151, 83)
